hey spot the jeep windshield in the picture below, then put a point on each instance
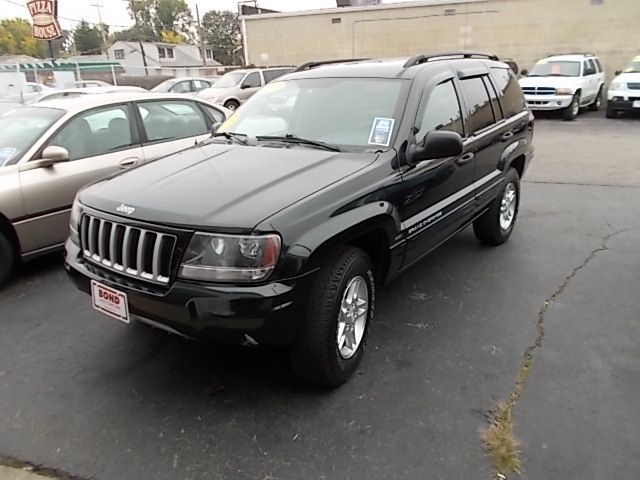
(21, 128)
(634, 67)
(349, 113)
(555, 69)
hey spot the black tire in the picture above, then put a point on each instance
(597, 102)
(611, 113)
(7, 258)
(487, 227)
(231, 105)
(571, 112)
(314, 353)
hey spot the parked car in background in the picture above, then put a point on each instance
(279, 230)
(184, 85)
(235, 88)
(77, 92)
(30, 91)
(565, 82)
(88, 84)
(48, 150)
(624, 92)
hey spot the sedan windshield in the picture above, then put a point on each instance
(21, 128)
(229, 80)
(164, 86)
(634, 67)
(349, 112)
(555, 69)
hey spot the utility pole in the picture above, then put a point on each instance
(132, 6)
(200, 42)
(103, 35)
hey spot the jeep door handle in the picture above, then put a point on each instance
(466, 158)
(506, 137)
(128, 162)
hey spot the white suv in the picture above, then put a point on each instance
(565, 82)
(624, 91)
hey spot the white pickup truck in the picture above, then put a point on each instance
(624, 91)
(565, 82)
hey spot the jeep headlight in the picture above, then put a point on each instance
(230, 258)
(564, 91)
(74, 222)
(616, 86)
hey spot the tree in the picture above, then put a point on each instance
(172, 16)
(221, 33)
(155, 17)
(88, 39)
(169, 36)
(16, 38)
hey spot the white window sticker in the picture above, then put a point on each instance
(381, 131)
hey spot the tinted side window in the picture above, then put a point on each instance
(589, 68)
(480, 111)
(253, 80)
(442, 111)
(170, 120)
(509, 91)
(598, 64)
(271, 75)
(495, 104)
(95, 133)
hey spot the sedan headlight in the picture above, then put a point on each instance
(74, 222)
(230, 258)
(564, 91)
(616, 86)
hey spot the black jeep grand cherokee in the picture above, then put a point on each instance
(327, 182)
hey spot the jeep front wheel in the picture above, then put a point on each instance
(330, 344)
(494, 227)
(571, 112)
(597, 103)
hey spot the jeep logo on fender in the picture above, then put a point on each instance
(126, 209)
(45, 21)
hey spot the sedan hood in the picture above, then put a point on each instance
(221, 186)
(631, 77)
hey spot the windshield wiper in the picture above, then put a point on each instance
(289, 138)
(241, 138)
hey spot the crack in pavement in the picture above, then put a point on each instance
(498, 439)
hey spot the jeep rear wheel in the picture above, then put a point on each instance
(571, 112)
(494, 227)
(330, 343)
(6, 258)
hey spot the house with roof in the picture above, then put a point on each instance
(161, 58)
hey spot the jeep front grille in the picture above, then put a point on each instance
(131, 251)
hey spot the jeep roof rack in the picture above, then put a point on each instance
(310, 65)
(418, 59)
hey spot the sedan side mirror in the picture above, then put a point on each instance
(524, 72)
(215, 127)
(244, 86)
(436, 144)
(50, 156)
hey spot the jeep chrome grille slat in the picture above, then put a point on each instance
(132, 251)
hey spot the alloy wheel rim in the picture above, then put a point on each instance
(576, 106)
(599, 100)
(352, 317)
(508, 206)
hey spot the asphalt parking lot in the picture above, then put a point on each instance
(84, 395)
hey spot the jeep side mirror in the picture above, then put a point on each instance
(618, 72)
(524, 72)
(436, 144)
(50, 156)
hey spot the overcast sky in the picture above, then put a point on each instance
(114, 12)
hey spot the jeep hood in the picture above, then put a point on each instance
(554, 82)
(222, 186)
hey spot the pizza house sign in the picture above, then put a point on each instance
(45, 19)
